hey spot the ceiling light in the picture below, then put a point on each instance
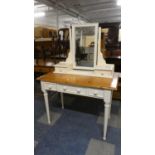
(39, 6)
(119, 2)
(39, 14)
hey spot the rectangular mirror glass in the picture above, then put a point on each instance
(85, 46)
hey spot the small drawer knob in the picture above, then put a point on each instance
(78, 91)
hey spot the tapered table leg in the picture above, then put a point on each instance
(47, 106)
(110, 104)
(109, 111)
(62, 100)
(106, 117)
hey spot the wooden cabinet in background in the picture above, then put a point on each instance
(43, 32)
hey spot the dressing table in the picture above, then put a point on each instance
(84, 72)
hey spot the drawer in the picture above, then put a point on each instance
(72, 90)
(42, 69)
(49, 86)
(96, 93)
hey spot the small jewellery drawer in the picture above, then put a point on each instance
(96, 93)
(72, 90)
(50, 86)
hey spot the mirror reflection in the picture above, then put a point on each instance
(84, 46)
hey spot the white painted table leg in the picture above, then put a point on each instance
(106, 117)
(109, 111)
(47, 107)
(110, 104)
(62, 100)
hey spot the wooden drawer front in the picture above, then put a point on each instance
(50, 86)
(42, 69)
(96, 93)
(72, 90)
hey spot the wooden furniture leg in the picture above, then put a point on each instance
(47, 106)
(62, 100)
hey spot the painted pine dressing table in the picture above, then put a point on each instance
(80, 75)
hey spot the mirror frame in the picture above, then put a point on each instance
(95, 25)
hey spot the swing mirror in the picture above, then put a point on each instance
(84, 46)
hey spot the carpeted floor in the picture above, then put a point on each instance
(77, 129)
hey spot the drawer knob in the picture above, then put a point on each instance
(78, 91)
(95, 94)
